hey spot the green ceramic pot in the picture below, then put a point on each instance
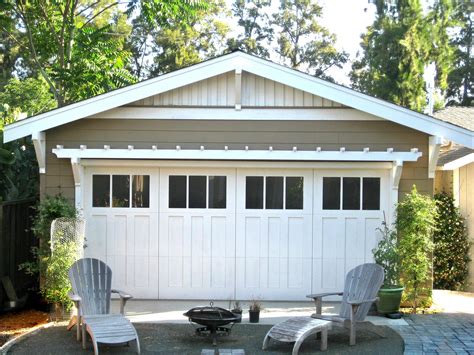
(389, 299)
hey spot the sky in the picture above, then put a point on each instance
(347, 19)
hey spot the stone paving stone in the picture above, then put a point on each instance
(438, 334)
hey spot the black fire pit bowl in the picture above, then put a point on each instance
(213, 320)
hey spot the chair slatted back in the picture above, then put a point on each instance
(362, 283)
(91, 279)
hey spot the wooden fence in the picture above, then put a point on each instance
(16, 241)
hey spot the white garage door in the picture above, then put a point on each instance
(121, 226)
(188, 233)
(274, 238)
(197, 234)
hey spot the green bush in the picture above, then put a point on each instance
(386, 255)
(451, 246)
(56, 285)
(415, 223)
(52, 269)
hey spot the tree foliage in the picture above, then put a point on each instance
(178, 46)
(451, 246)
(257, 31)
(77, 46)
(302, 42)
(398, 47)
(415, 223)
(461, 79)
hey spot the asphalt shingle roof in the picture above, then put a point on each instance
(457, 115)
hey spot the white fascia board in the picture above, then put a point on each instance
(458, 163)
(119, 97)
(257, 66)
(255, 155)
(357, 100)
(218, 164)
(264, 113)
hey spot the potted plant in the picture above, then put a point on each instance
(254, 311)
(386, 254)
(237, 309)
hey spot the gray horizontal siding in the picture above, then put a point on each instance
(307, 135)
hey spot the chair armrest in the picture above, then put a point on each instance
(124, 297)
(75, 298)
(321, 295)
(122, 294)
(318, 299)
(359, 302)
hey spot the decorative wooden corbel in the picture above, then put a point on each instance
(39, 142)
(435, 143)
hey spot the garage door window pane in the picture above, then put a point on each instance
(197, 191)
(274, 193)
(141, 191)
(217, 191)
(371, 194)
(294, 193)
(121, 191)
(101, 191)
(351, 193)
(254, 192)
(177, 191)
(331, 193)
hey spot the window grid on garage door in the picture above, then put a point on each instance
(368, 197)
(264, 193)
(191, 194)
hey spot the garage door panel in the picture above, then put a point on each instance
(141, 226)
(97, 232)
(117, 240)
(372, 235)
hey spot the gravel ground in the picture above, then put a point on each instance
(180, 339)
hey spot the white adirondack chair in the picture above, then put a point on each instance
(91, 281)
(360, 291)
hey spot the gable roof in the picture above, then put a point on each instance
(238, 61)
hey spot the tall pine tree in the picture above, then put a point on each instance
(398, 47)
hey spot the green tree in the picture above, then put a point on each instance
(178, 46)
(18, 167)
(303, 43)
(255, 24)
(398, 47)
(461, 78)
(451, 246)
(415, 224)
(68, 40)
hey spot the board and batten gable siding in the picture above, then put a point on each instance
(219, 91)
(306, 135)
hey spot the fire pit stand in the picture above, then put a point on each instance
(213, 320)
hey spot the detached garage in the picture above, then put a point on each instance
(235, 178)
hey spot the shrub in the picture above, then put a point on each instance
(386, 255)
(52, 268)
(415, 224)
(451, 246)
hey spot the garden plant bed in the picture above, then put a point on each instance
(17, 323)
(181, 339)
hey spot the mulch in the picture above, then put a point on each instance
(16, 323)
(180, 339)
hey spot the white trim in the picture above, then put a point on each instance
(434, 147)
(456, 187)
(458, 163)
(257, 66)
(39, 142)
(396, 174)
(236, 164)
(211, 113)
(238, 89)
(78, 173)
(267, 155)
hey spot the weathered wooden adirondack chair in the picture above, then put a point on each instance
(360, 291)
(91, 281)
